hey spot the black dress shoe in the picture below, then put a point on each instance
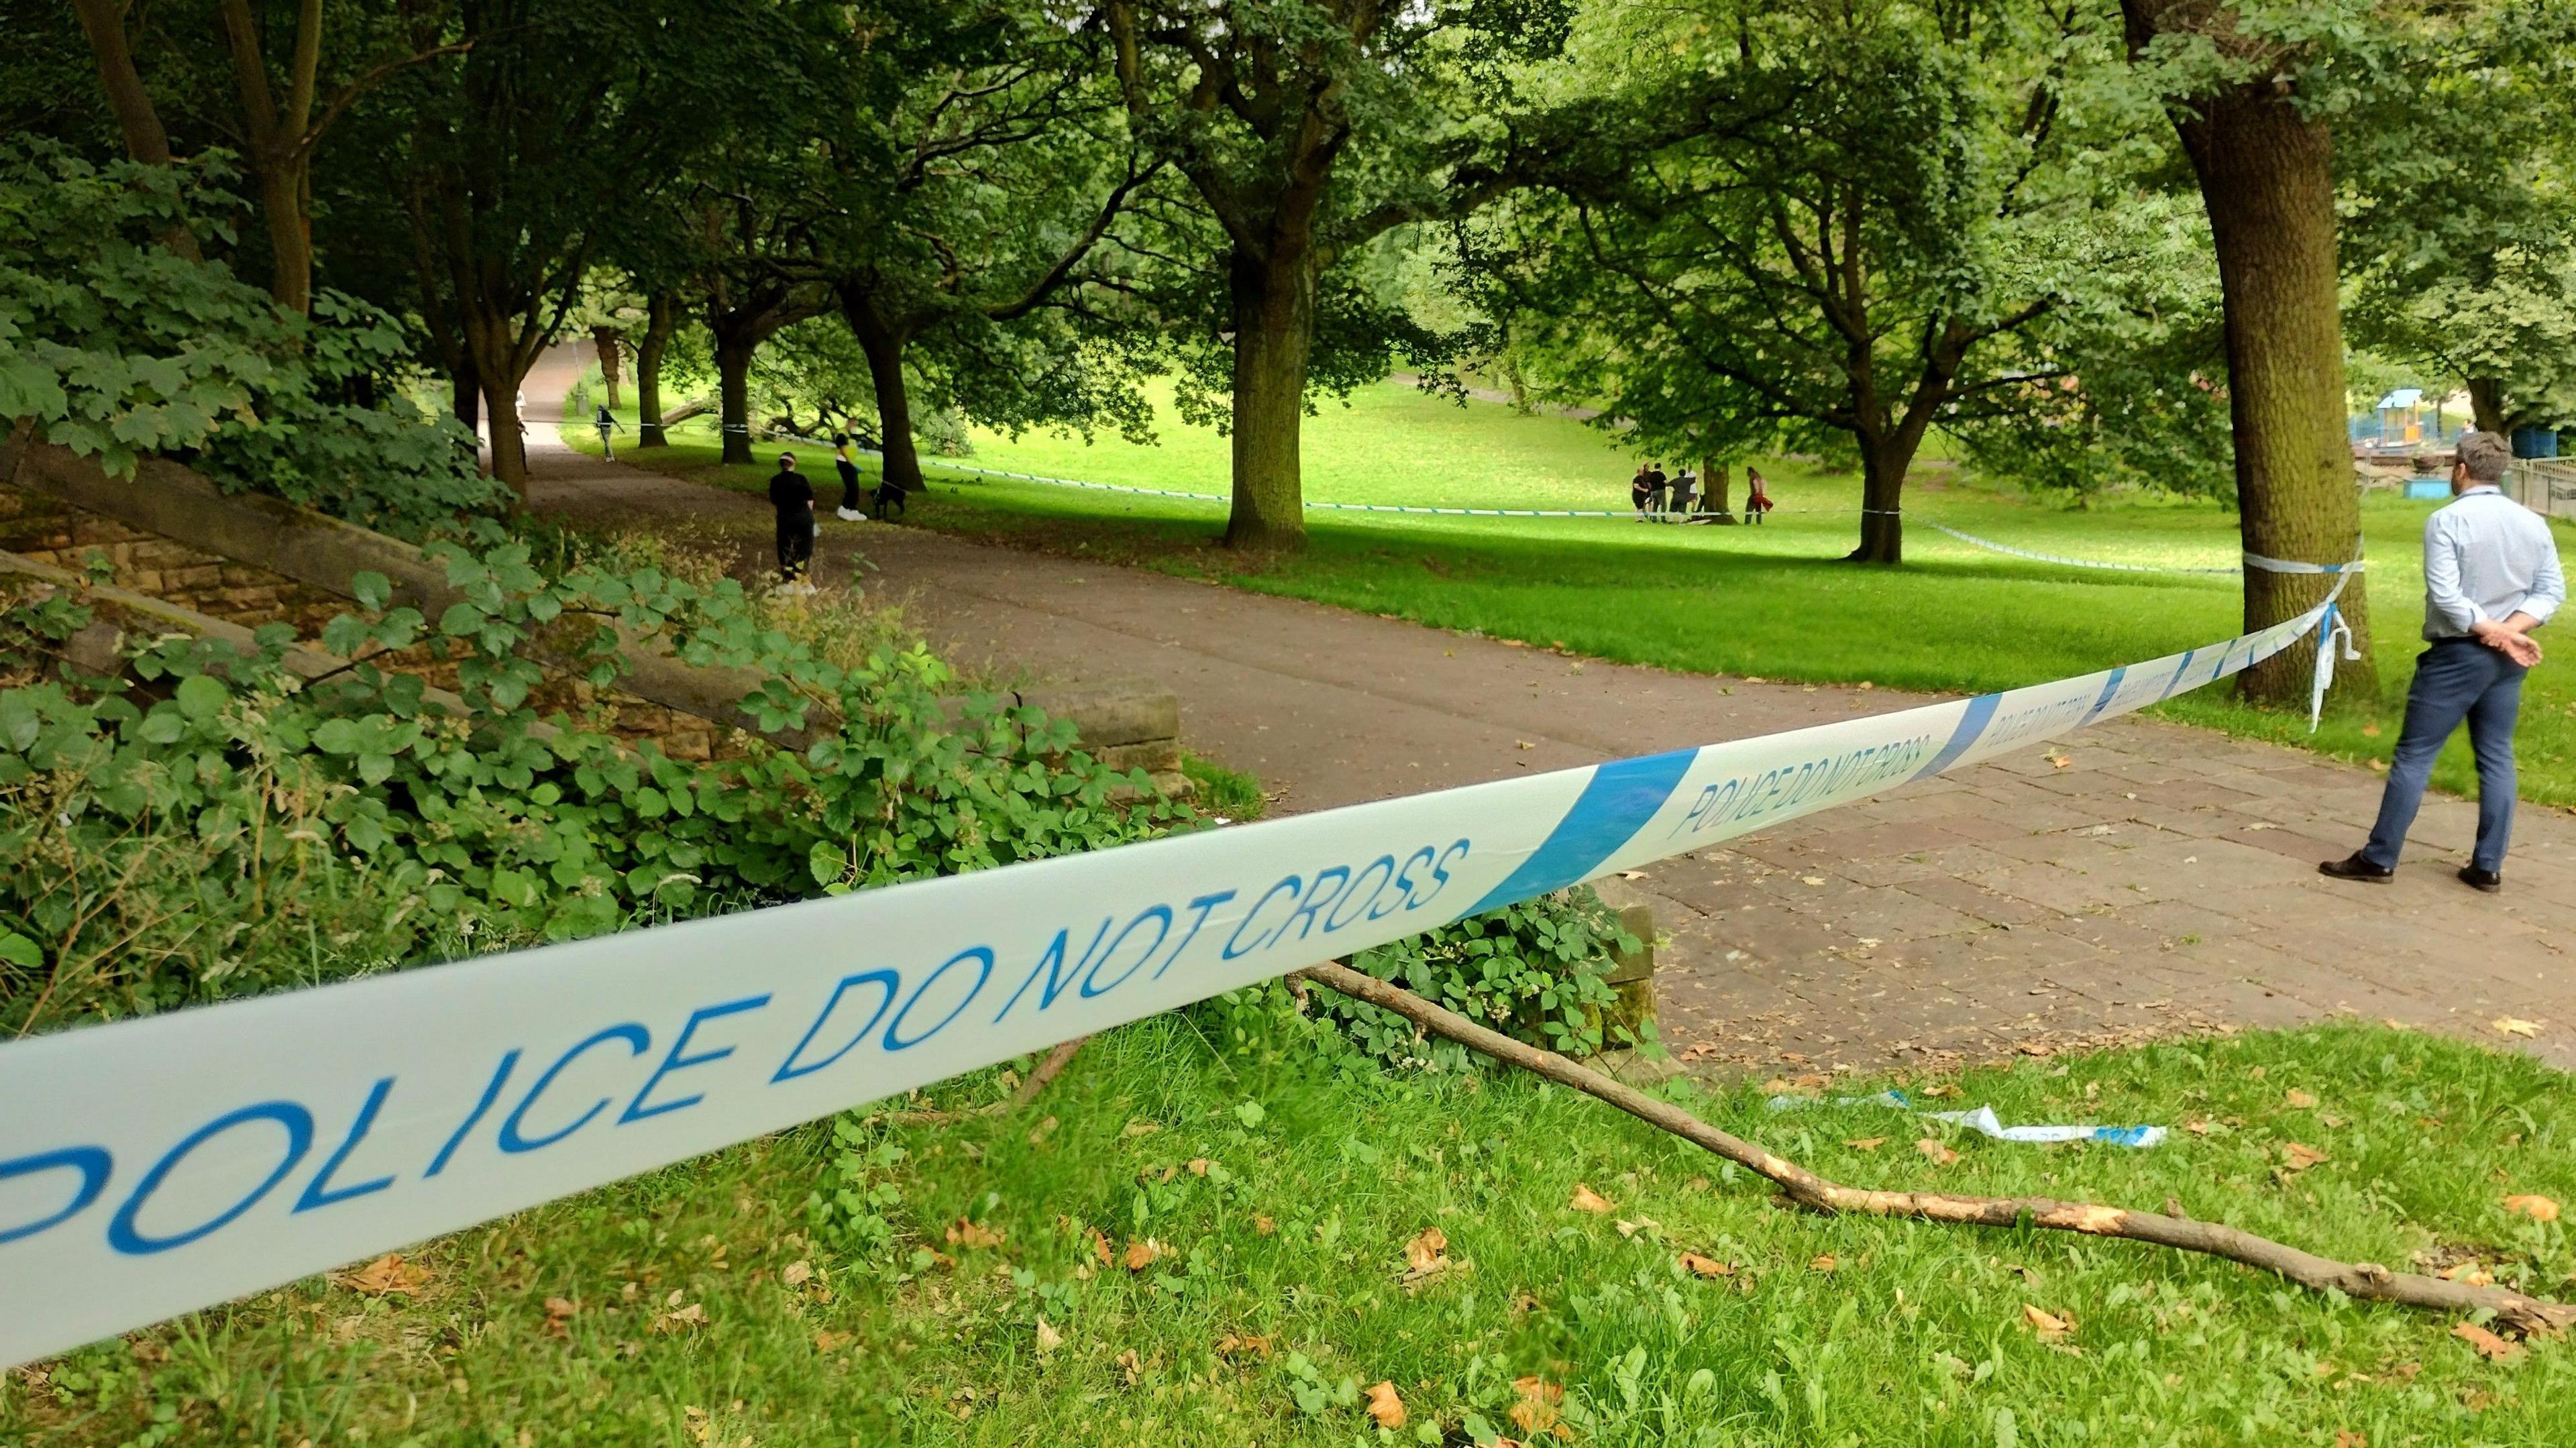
(2357, 868)
(2476, 879)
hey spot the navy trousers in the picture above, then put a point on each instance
(2455, 680)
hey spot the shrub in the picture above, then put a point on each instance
(116, 348)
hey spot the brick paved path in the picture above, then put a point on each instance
(2148, 878)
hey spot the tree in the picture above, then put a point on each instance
(2241, 99)
(1307, 128)
(1857, 241)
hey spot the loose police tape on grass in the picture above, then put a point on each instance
(154, 1166)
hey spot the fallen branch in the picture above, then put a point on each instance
(1047, 1070)
(2359, 1280)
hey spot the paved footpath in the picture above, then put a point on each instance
(2140, 878)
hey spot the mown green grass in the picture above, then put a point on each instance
(1283, 1196)
(1773, 601)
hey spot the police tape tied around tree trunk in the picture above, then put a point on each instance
(150, 1167)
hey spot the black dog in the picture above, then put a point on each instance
(887, 495)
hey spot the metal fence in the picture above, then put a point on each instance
(2544, 485)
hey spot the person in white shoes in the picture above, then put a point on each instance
(848, 466)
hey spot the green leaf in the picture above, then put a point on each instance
(201, 697)
(825, 863)
(372, 590)
(18, 950)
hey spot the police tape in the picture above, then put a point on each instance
(154, 1166)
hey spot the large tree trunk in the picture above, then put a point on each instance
(1274, 339)
(2267, 180)
(733, 389)
(491, 343)
(287, 213)
(1714, 486)
(883, 346)
(465, 396)
(605, 341)
(660, 316)
(1883, 464)
(2486, 404)
(2267, 177)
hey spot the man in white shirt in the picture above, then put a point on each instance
(2491, 576)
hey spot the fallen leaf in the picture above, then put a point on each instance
(1425, 1252)
(2515, 1026)
(1130, 1370)
(1048, 1338)
(681, 1319)
(385, 1275)
(1100, 1246)
(1823, 1262)
(2299, 1100)
(2196, 1127)
(2048, 1325)
(964, 1233)
(829, 1341)
(797, 1273)
(1535, 1411)
(695, 1419)
(2473, 1273)
(1587, 1200)
(1242, 1347)
(2059, 760)
(1642, 1224)
(1263, 1225)
(1811, 879)
(1866, 1143)
(1141, 1255)
(2345, 1437)
(1700, 1266)
(2491, 1347)
(1936, 1151)
(2299, 1156)
(1199, 1166)
(2539, 1209)
(559, 1315)
(1385, 1406)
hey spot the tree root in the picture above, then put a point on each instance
(2367, 1280)
(1047, 1070)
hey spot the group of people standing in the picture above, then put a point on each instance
(791, 499)
(1681, 498)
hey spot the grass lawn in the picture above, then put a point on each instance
(866, 1284)
(1770, 601)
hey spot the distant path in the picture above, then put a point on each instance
(2162, 879)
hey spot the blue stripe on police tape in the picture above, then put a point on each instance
(1972, 724)
(1616, 802)
(2110, 688)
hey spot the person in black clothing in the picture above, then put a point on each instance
(791, 496)
(1641, 489)
(1658, 487)
(848, 467)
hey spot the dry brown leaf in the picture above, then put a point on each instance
(2473, 1273)
(1822, 1262)
(1199, 1166)
(1587, 1200)
(2539, 1209)
(829, 1341)
(797, 1273)
(695, 1419)
(1425, 1253)
(1384, 1405)
(681, 1319)
(1535, 1411)
(2515, 1026)
(1264, 1225)
(1048, 1338)
(2058, 759)
(964, 1233)
(1130, 1370)
(1141, 1255)
(1244, 1346)
(1642, 1224)
(2048, 1325)
(2299, 1156)
(2345, 1437)
(385, 1275)
(2491, 1347)
(1699, 1266)
(1936, 1151)
(1866, 1143)
(2299, 1100)
(1100, 1246)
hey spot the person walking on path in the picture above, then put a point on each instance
(791, 497)
(1757, 501)
(2491, 576)
(607, 422)
(848, 467)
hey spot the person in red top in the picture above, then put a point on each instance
(1756, 501)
